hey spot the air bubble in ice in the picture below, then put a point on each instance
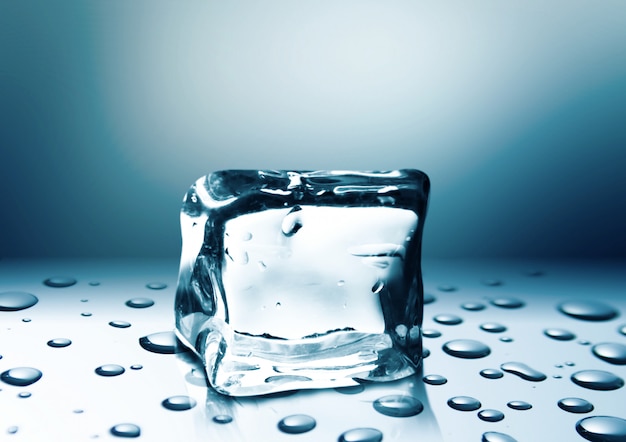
(397, 405)
(21, 376)
(59, 342)
(492, 327)
(296, 424)
(466, 348)
(140, 303)
(575, 405)
(597, 380)
(490, 415)
(523, 371)
(588, 310)
(13, 301)
(464, 403)
(602, 428)
(559, 334)
(110, 370)
(126, 430)
(179, 403)
(361, 435)
(448, 319)
(60, 281)
(611, 352)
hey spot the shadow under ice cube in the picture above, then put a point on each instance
(299, 279)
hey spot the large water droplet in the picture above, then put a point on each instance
(473, 306)
(494, 436)
(59, 342)
(523, 371)
(491, 373)
(126, 430)
(361, 435)
(559, 334)
(434, 379)
(610, 352)
(464, 403)
(119, 324)
(156, 285)
(110, 370)
(602, 428)
(60, 281)
(489, 415)
(597, 380)
(397, 405)
(575, 405)
(492, 327)
(507, 302)
(466, 348)
(13, 301)
(447, 319)
(588, 310)
(21, 376)
(140, 303)
(519, 405)
(430, 333)
(296, 424)
(179, 403)
(161, 342)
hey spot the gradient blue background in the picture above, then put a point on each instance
(109, 110)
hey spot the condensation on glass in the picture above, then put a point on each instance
(302, 279)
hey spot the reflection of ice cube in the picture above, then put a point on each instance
(302, 279)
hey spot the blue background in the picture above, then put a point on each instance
(109, 110)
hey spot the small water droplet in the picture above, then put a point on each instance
(161, 342)
(519, 405)
(84, 300)
(429, 299)
(575, 405)
(492, 327)
(341, 283)
(491, 373)
(507, 302)
(12, 429)
(179, 403)
(156, 285)
(24, 395)
(584, 342)
(494, 436)
(557, 376)
(622, 329)
(559, 334)
(278, 305)
(447, 319)
(78, 411)
(464, 403)
(602, 428)
(425, 353)
(59, 342)
(473, 306)
(610, 352)
(126, 430)
(136, 367)
(262, 266)
(14, 301)
(85, 314)
(94, 283)
(361, 435)
(446, 288)
(523, 371)
(60, 281)
(434, 379)
(430, 333)
(119, 324)
(222, 419)
(26, 319)
(140, 303)
(377, 288)
(296, 424)
(352, 389)
(109, 370)
(489, 415)
(588, 310)
(506, 339)
(597, 380)
(397, 405)
(466, 348)
(21, 376)
(246, 236)
(569, 363)
(492, 282)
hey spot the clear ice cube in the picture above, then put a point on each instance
(302, 279)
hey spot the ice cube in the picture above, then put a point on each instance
(302, 279)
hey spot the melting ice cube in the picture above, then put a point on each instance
(299, 279)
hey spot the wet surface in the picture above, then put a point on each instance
(102, 360)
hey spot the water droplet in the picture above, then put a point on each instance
(610, 352)
(425, 353)
(84, 300)
(156, 285)
(429, 299)
(13, 301)
(575, 405)
(377, 288)
(12, 429)
(110, 370)
(519, 405)
(466, 348)
(559, 334)
(353, 389)
(179, 403)
(464, 403)
(222, 419)
(430, 333)
(492, 327)
(473, 306)
(494, 436)
(446, 288)
(140, 303)
(507, 302)
(535, 273)
(296, 424)
(557, 376)
(24, 395)
(602, 428)
(246, 236)
(489, 415)
(262, 266)
(361, 435)
(569, 363)
(491, 373)
(119, 324)
(79, 411)
(136, 367)
(278, 305)
(506, 339)
(126, 430)
(434, 379)
(59, 342)
(21, 376)
(584, 342)
(26, 319)
(448, 319)
(292, 222)
(622, 329)
(60, 281)
(397, 405)
(523, 371)
(588, 310)
(94, 283)
(597, 380)
(341, 283)
(161, 342)
(492, 282)
(85, 314)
